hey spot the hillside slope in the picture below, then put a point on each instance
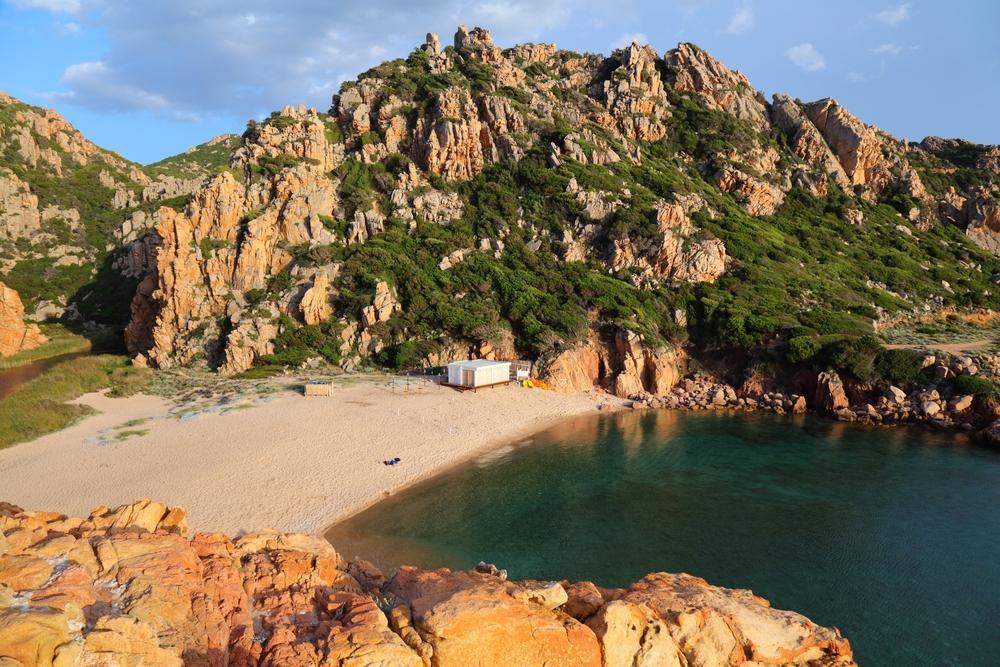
(70, 210)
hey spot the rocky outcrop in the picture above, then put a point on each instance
(230, 240)
(756, 196)
(806, 140)
(634, 95)
(856, 145)
(689, 69)
(618, 361)
(683, 253)
(295, 131)
(461, 137)
(15, 335)
(127, 586)
(315, 303)
(18, 208)
(669, 619)
(981, 216)
(473, 618)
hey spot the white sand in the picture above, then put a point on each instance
(293, 464)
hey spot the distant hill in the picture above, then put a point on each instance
(69, 209)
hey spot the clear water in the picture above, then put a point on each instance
(892, 535)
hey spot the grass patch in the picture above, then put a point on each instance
(125, 435)
(41, 407)
(61, 341)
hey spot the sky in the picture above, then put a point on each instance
(150, 78)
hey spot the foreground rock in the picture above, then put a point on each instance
(15, 335)
(126, 586)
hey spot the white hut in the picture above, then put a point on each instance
(476, 373)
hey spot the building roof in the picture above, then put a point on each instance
(478, 363)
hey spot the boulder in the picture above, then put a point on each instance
(960, 403)
(830, 394)
(896, 394)
(677, 619)
(15, 335)
(478, 619)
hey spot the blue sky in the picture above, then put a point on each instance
(150, 78)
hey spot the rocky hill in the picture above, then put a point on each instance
(537, 202)
(126, 587)
(70, 210)
(612, 216)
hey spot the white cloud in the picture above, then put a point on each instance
(887, 49)
(626, 40)
(70, 29)
(96, 79)
(806, 57)
(188, 58)
(67, 6)
(857, 77)
(894, 15)
(741, 21)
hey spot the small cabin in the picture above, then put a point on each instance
(477, 373)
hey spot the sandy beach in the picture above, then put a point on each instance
(281, 460)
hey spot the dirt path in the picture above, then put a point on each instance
(950, 348)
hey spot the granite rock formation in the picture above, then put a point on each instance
(128, 586)
(15, 335)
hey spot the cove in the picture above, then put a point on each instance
(892, 535)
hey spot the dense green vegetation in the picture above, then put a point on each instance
(206, 158)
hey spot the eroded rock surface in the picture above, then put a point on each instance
(15, 335)
(618, 361)
(126, 586)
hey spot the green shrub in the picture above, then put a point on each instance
(902, 367)
(974, 385)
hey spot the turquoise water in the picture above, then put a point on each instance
(892, 535)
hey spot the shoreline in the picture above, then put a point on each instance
(275, 459)
(311, 464)
(510, 440)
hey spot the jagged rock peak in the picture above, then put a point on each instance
(479, 43)
(692, 69)
(432, 44)
(634, 95)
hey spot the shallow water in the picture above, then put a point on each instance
(11, 379)
(892, 535)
